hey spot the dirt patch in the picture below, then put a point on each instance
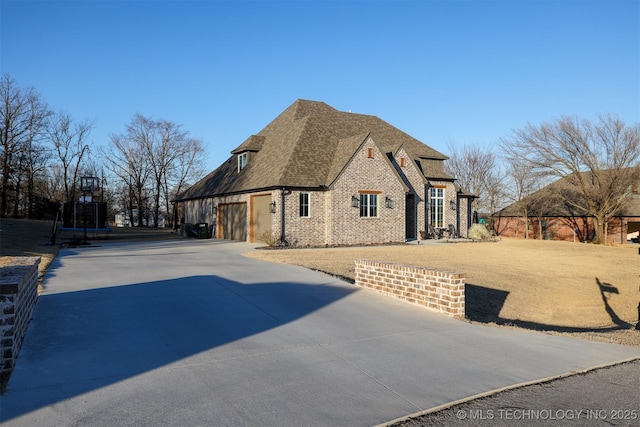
(584, 290)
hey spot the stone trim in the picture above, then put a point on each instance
(18, 295)
(439, 290)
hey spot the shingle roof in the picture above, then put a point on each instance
(253, 143)
(307, 145)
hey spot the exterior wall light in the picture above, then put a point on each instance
(388, 203)
(453, 205)
(355, 202)
(272, 207)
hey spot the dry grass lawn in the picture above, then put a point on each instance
(590, 291)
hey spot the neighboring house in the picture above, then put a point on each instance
(317, 176)
(549, 216)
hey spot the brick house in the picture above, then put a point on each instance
(547, 215)
(316, 176)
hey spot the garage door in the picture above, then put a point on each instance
(260, 216)
(233, 221)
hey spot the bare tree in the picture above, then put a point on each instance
(163, 151)
(495, 192)
(523, 181)
(599, 160)
(158, 151)
(187, 168)
(22, 115)
(126, 158)
(69, 140)
(476, 170)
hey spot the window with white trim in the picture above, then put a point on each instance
(436, 196)
(368, 205)
(242, 161)
(304, 205)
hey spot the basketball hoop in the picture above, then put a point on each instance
(90, 184)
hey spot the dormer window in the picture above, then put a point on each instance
(242, 161)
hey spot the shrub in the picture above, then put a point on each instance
(479, 232)
(269, 238)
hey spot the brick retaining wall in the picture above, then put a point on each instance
(438, 290)
(18, 294)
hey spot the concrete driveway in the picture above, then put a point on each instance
(190, 332)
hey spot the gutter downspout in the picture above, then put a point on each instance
(458, 213)
(283, 240)
(282, 216)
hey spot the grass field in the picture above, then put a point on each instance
(590, 291)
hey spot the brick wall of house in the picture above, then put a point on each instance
(438, 290)
(345, 226)
(450, 194)
(463, 211)
(304, 231)
(18, 295)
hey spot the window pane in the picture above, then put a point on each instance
(368, 205)
(304, 204)
(373, 205)
(437, 207)
(242, 161)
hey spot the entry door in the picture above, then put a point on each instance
(411, 216)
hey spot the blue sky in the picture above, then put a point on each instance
(466, 72)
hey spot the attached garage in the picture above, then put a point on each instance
(232, 221)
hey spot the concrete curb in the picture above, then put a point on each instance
(503, 389)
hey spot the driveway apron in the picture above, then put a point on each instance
(190, 332)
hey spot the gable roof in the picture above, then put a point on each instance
(347, 145)
(307, 145)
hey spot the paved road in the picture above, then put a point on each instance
(606, 396)
(192, 333)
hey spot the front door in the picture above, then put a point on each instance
(411, 217)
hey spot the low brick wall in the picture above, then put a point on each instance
(18, 295)
(439, 290)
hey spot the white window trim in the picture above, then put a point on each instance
(366, 207)
(434, 205)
